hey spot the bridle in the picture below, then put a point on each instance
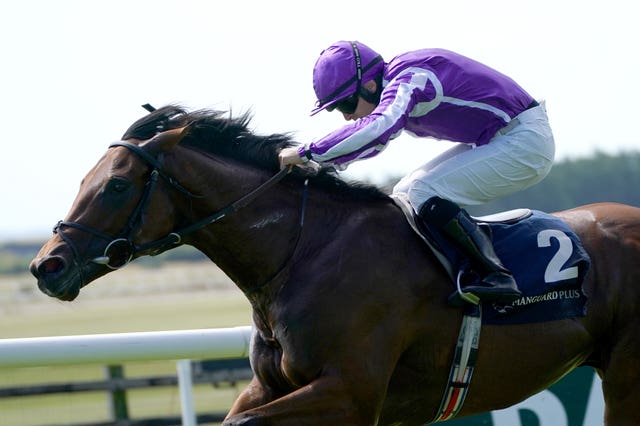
(119, 251)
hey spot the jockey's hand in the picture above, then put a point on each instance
(289, 156)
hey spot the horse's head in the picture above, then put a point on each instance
(103, 230)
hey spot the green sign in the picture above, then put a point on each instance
(576, 400)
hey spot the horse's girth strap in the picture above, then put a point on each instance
(464, 361)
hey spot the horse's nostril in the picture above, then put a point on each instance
(50, 266)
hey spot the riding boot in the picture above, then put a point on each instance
(497, 283)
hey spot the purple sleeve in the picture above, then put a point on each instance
(368, 136)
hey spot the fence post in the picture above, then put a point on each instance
(185, 383)
(117, 397)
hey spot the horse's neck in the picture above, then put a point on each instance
(253, 243)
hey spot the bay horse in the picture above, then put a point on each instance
(352, 324)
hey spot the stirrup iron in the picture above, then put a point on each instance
(465, 296)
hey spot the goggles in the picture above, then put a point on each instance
(347, 105)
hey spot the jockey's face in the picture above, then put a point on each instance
(363, 107)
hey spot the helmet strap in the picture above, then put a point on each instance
(372, 98)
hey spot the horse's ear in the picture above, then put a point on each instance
(166, 140)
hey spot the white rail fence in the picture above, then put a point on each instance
(183, 346)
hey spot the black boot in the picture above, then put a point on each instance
(497, 284)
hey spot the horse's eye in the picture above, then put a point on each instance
(118, 185)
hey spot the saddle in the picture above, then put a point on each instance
(544, 255)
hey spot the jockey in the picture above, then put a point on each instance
(504, 142)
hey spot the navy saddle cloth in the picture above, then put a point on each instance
(547, 261)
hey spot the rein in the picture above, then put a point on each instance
(120, 251)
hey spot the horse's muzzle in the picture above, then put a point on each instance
(55, 279)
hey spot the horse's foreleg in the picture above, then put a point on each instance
(324, 401)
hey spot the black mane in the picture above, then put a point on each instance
(211, 132)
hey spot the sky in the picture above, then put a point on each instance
(74, 74)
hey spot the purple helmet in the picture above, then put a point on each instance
(341, 69)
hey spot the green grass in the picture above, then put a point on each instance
(118, 315)
(180, 296)
(172, 297)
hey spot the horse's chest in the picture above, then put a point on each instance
(270, 362)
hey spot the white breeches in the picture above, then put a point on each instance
(512, 161)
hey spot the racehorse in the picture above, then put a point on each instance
(352, 324)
